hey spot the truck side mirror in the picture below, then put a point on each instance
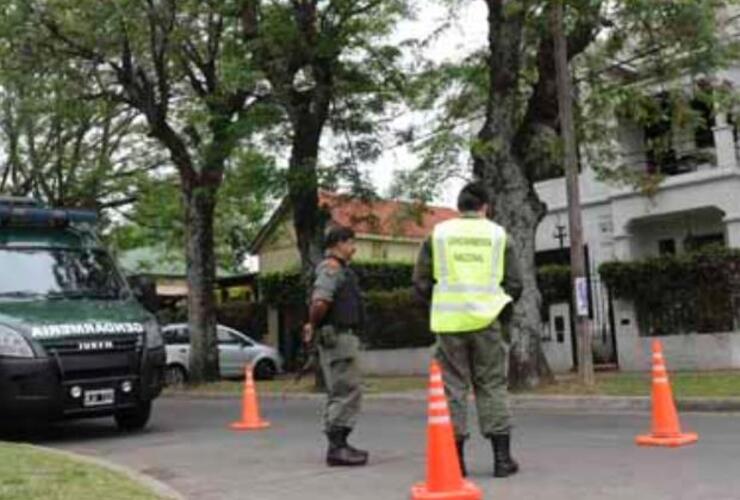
(145, 291)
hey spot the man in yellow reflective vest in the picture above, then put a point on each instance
(468, 273)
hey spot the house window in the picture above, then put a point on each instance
(659, 138)
(703, 134)
(560, 329)
(667, 247)
(664, 154)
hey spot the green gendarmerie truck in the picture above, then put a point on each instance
(74, 340)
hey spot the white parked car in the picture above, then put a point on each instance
(235, 351)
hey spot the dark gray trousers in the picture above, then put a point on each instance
(478, 359)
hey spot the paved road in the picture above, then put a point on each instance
(564, 456)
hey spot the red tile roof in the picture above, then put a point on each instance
(384, 217)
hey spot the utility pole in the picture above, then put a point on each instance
(567, 131)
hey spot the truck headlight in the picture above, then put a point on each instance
(153, 335)
(13, 344)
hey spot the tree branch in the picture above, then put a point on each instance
(250, 19)
(542, 107)
(118, 203)
(159, 33)
(76, 48)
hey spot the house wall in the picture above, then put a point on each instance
(372, 248)
(647, 235)
(699, 191)
(700, 203)
(620, 223)
(280, 253)
(396, 361)
(557, 343)
(704, 351)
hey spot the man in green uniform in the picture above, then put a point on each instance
(335, 315)
(468, 273)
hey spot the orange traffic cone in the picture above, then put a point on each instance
(444, 478)
(250, 406)
(666, 429)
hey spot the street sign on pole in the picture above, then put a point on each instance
(582, 306)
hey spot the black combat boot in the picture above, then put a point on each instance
(460, 444)
(340, 453)
(346, 431)
(503, 464)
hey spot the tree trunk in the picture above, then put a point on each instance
(516, 205)
(308, 220)
(518, 209)
(527, 363)
(309, 112)
(200, 203)
(304, 199)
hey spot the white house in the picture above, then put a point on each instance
(698, 203)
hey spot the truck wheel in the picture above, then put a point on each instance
(134, 419)
(265, 370)
(175, 376)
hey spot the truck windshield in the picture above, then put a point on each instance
(58, 273)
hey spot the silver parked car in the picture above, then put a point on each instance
(235, 351)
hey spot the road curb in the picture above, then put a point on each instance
(155, 486)
(709, 404)
(517, 401)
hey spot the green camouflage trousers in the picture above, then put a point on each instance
(338, 355)
(477, 358)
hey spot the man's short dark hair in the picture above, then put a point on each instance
(338, 234)
(472, 197)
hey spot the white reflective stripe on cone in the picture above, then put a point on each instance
(439, 420)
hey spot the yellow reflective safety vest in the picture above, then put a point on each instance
(468, 256)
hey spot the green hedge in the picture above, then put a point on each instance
(679, 294)
(282, 288)
(555, 284)
(396, 319)
(384, 275)
(395, 316)
(289, 288)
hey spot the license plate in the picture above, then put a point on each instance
(99, 397)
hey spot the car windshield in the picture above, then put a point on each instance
(58, 273)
